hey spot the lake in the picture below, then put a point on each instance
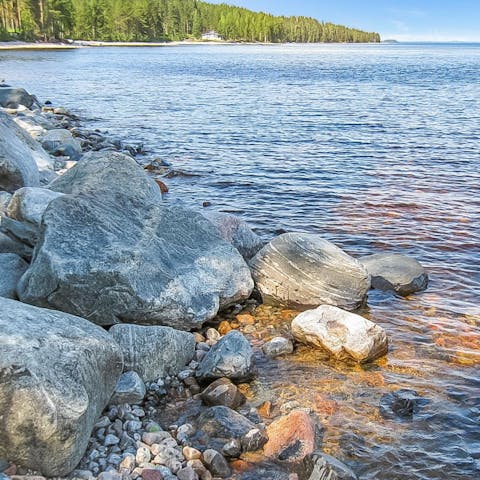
(376, 148)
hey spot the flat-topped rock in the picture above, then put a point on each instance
(395, 272)
(345, 335)
(57, 374)
(14, 97)
(304, 270)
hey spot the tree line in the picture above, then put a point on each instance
(157, 20)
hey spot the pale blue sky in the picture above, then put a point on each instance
(408, 20)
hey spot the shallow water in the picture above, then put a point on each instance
(375, 147)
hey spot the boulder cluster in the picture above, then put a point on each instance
(107, 296)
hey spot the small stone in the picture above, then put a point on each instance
(253, 440)
(245, 319)
(129, 389)
(152, 474)
(111, 440)
(224, 327)
(187, 473)
(223, 392)
(114, 459)
(109, 476)
(198, 467)
(149, 438)
(143, 455)
(278, 346)
(128, 463)
(191, 453)
(186, 429)
(199, 338)
(216, 463)
(233, 448)
(81, 475)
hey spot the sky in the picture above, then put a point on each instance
(403, 20)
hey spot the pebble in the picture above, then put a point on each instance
(152, 474)
(191, 453)
(187, 473)
(143, 455)
(216, 463)
(111, 440)
(278, 346)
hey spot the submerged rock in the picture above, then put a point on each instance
(223, 392)
(278, 346)
(231, 357)
(57, 373)
(234, 230)
(345, 335)
(132, 260)
(152, 351)
(320, 466)
(304, 270)
(12, 267)
(402, 404)
(395, 272)
(290, 438)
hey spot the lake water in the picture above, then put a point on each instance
(376, 148)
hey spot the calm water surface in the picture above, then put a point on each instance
(376, 148)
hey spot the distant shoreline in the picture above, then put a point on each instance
(78, 44)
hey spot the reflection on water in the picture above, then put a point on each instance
(374, 147)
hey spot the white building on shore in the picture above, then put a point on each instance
(211, 35)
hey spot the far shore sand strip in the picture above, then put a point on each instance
(87, 44)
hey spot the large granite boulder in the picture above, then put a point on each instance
(57, 373)
(112, 253)
(395, 272)
(60, 141)
(154, 352)
(345, 335)
(234, 230)
(304, 270)
(23, 162)
(231, 357)
(14, 97)
(12, 267)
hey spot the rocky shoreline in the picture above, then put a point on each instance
(127, 340)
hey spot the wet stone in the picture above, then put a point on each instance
(216, 463)
(223, 392)
(402, 404)
(278, 346)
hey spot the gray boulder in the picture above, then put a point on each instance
(24, 232)
(14, 97)
(129, 389)
(345, 335)
(23, 162)
(57, 374)
(304, 270)
(29, 203)
(154, 352)
(231, 357)
(12, 267)
(5, 198)
(395, 272)
(12, 245)
(235, 231)
(60, 141)
(112, 253)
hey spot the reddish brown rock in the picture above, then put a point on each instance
(291, 438)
